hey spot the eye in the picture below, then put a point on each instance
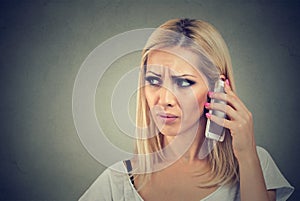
(154, 81)
(181, 82)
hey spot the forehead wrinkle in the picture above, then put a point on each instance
(174, 62)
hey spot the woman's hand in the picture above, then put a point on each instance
(239, 121)
(240, 124)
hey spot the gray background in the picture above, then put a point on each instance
(43, 44)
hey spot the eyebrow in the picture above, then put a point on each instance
(158, 75)
(173, 76)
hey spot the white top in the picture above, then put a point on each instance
(116, 186)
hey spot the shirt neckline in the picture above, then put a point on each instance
(137, 193)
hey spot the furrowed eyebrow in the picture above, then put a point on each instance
(153, 73)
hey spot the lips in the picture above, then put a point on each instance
(167, 117)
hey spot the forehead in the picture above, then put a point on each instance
(177, 59)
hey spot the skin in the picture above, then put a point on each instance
(186, 104)
(173, 89)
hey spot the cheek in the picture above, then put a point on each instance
(194, 101)
(202, 99)
(149, 97)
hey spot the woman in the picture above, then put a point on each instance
(181, 62)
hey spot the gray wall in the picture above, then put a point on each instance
(43, 44)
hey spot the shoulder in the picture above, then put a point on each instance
(263, 156)
(274, 179)
(112, 175)
(109, 184)
(266, 161)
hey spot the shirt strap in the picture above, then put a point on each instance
(129, 170)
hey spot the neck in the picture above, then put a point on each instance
(191, 154)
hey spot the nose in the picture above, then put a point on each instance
(166, 97)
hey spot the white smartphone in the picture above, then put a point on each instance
(213, 130)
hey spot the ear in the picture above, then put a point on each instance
(222, 77)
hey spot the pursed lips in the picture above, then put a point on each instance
(167, 117)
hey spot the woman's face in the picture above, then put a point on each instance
(175, 90)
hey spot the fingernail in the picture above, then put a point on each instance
(206, 104)
(210, 93)
(227, 82)
(208, 115)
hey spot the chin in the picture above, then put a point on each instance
(168, 133)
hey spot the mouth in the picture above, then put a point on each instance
(167, 117)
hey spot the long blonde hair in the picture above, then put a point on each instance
(202, 38)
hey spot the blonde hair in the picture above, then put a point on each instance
(202, 38)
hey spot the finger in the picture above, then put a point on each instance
(227, 88)
(220, 121)
(230, 112)
(224, 97)
(231, 99)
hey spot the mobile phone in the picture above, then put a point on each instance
(213, 130)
